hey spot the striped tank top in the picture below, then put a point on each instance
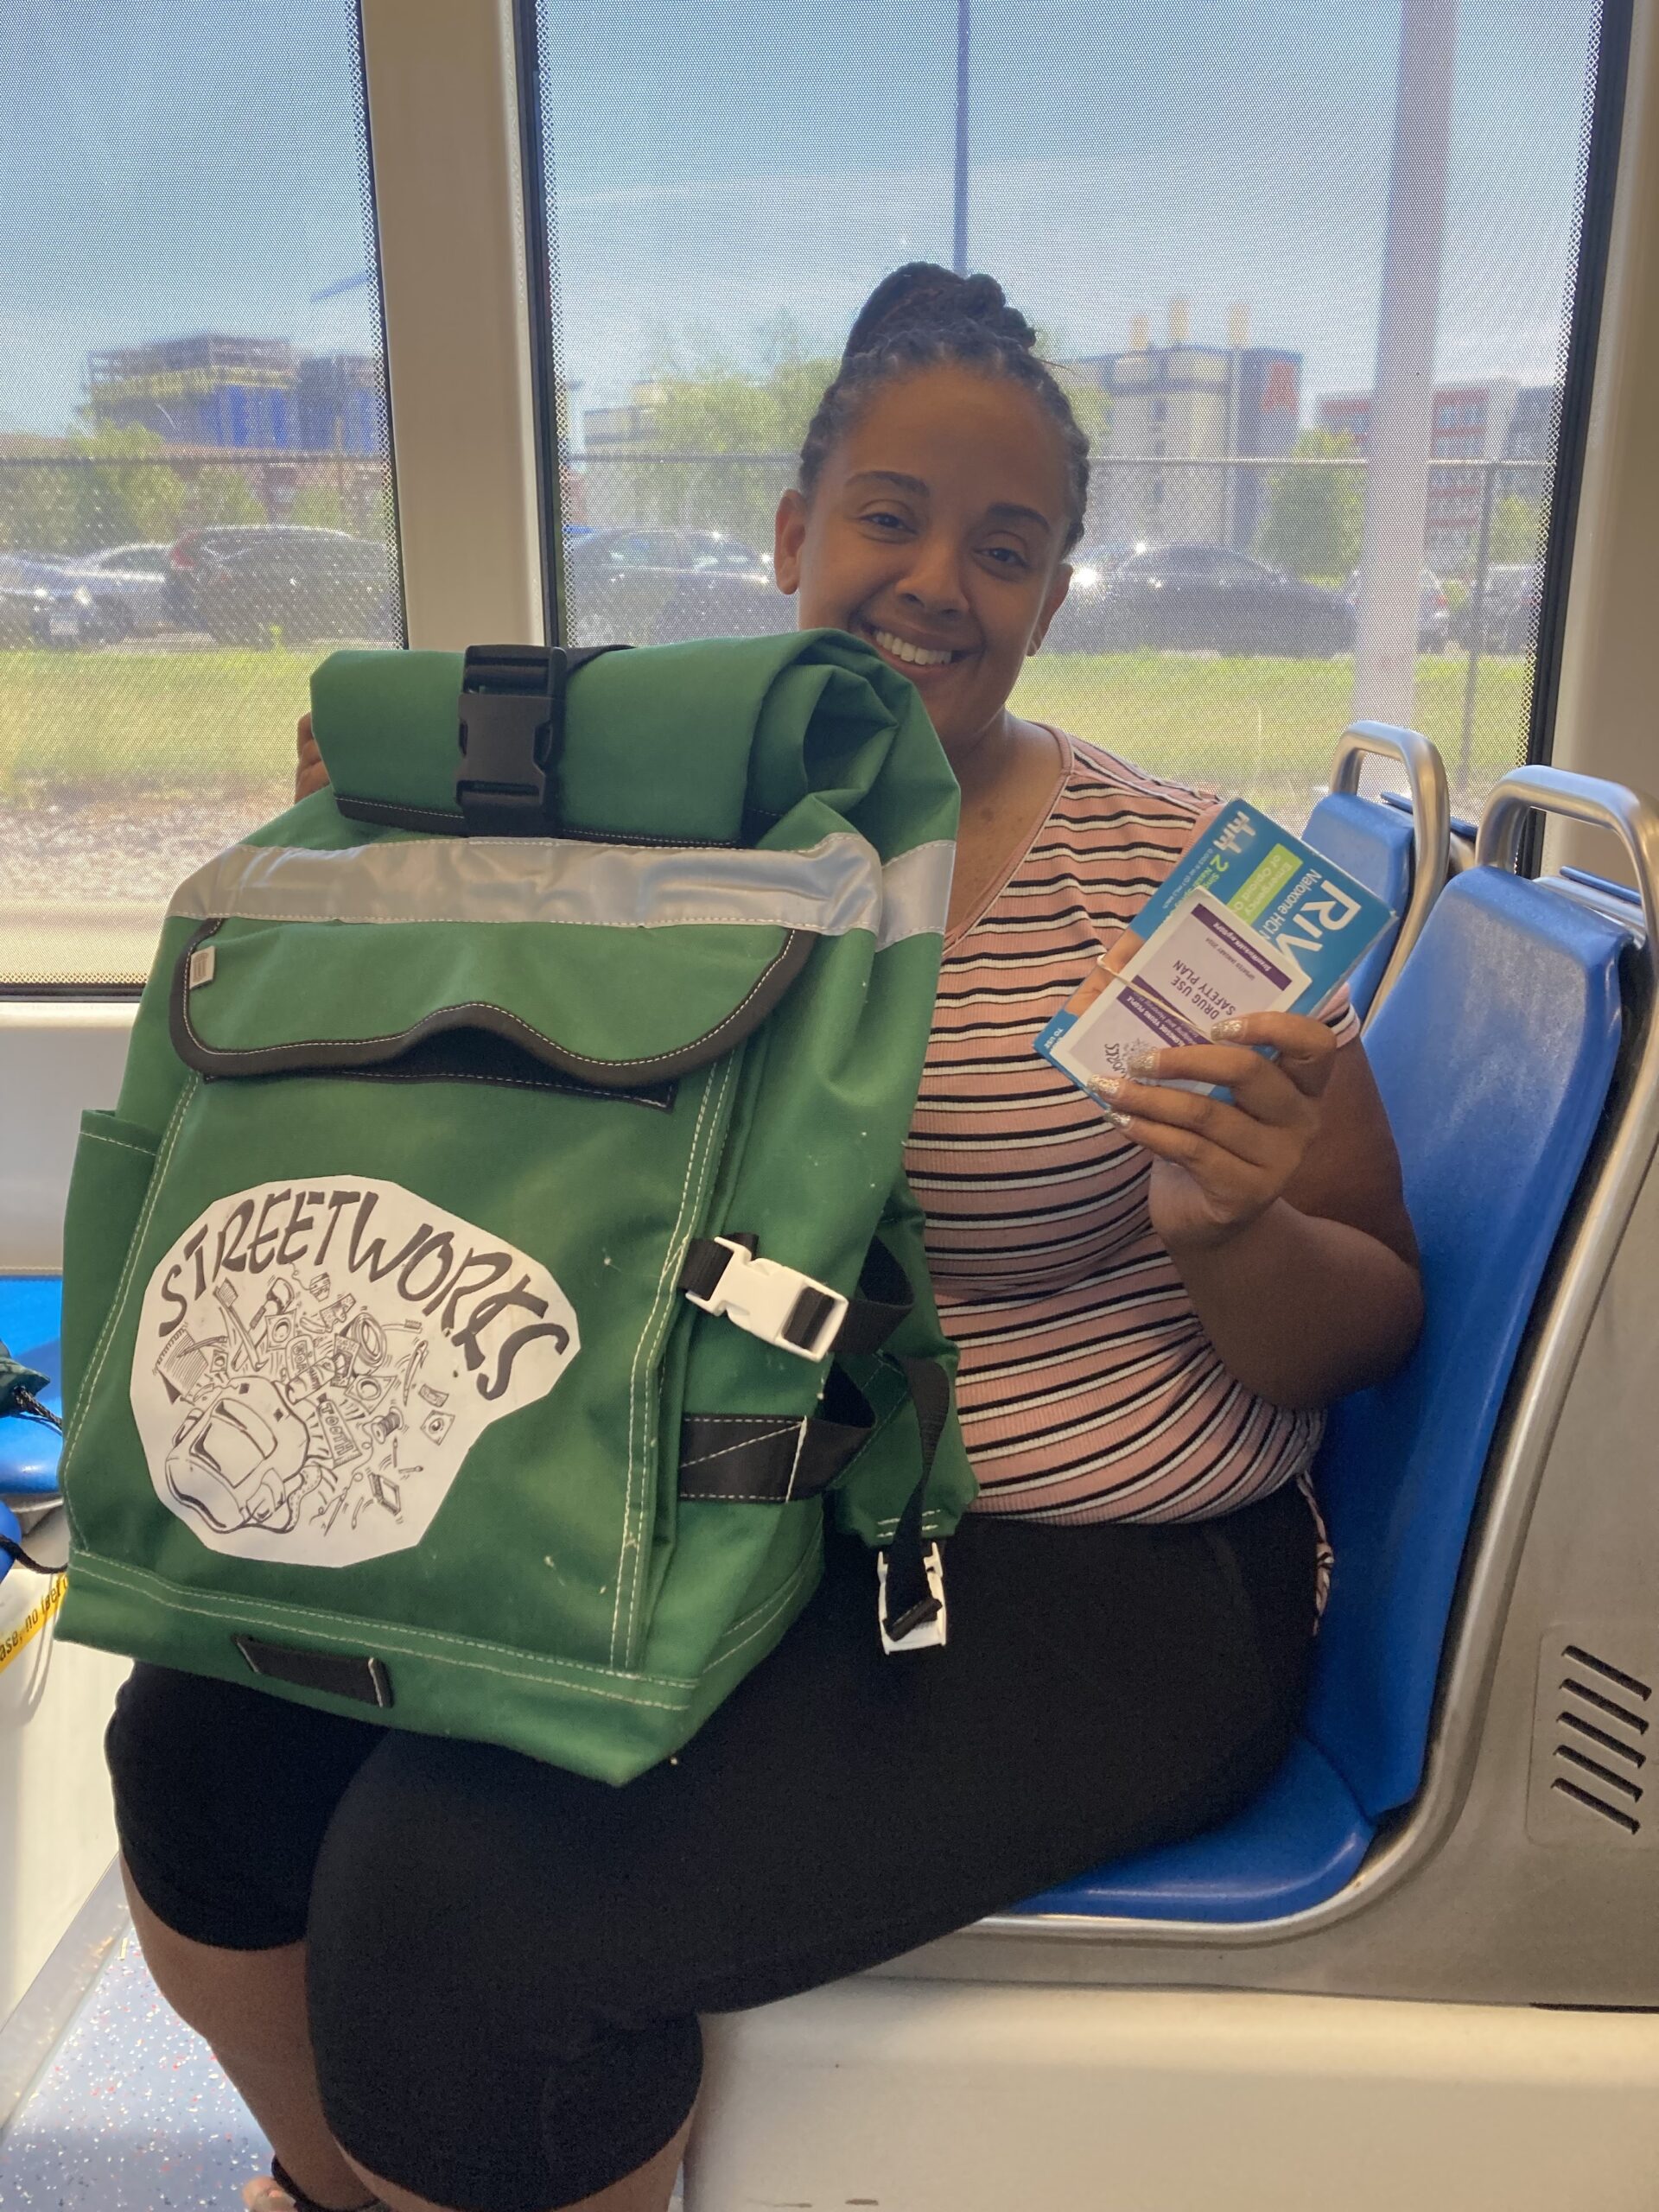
(1088, 1389)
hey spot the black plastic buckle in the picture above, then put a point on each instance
(511, 711)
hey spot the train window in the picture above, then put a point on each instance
(1194, 205)
(195, 487)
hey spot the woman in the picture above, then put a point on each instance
(443, 1975)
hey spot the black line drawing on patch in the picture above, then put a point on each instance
(238, 1463)
(280, 1409)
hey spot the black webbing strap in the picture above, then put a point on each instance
(881, 1301)
(706, 1261)
(910, 1598)
(772, 1458)
(512, 711)
(15, 1552)
(283, 2179)
(353, 1674)
(884, 1299)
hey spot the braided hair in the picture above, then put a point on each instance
(921, 317)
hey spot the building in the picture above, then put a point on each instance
(340, 405)
(1207, 407)
(611, 431)
(1532, 426)
(1498, 419)
(256, 394)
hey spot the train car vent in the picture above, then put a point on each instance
(1595, 1741)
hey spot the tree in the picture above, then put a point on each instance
(222, 495)
(712, 407)
(1315, 516)
(100, 487)
(1514, 529)
(319, 506)
(141, 502)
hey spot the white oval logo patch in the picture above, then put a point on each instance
(316, 1361)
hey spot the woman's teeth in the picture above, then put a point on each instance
(918, 655)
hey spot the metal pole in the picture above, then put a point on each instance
(1476, 635)
(959, 243)
(1396, 480)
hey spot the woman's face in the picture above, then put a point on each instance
(935, 529)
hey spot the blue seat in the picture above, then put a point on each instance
(1374, 844)
(31, 1312)
(1494, 1054)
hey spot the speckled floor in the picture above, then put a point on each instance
(131, 2115)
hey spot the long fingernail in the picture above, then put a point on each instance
(1225, 1032)
(1143, 1063)
(1108, 1086)
(1119, 1121)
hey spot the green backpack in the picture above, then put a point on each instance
(500, 1250)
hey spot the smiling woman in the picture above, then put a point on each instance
(942, 481)
(1105, 1276)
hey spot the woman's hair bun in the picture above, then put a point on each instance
(923, 296)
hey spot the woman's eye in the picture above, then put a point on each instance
(883, 518)
(1006, 556)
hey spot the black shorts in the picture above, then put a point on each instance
(507, 1963)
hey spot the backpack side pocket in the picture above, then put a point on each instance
(114, 1162)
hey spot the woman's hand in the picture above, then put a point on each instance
(1219, 1167)
(310, 775)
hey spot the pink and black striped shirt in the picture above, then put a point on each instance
(1088, 1389)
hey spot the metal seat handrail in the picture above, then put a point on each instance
(1430, 823)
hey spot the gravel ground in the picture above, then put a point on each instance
(88, 851)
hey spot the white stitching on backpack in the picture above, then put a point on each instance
(726, 1450)
(164, 1153)
(672, 1259)
(268, 1613)
(516, 1021)
(97, 1136)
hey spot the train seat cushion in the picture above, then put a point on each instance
(30, 1311)
(1375, 844)
(1296, 1845)
(1494, 1055)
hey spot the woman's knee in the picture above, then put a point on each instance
(222, 1794)
(444, 1894)
(251, 2002)
(478, 2034)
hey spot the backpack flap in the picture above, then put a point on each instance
(531, 959)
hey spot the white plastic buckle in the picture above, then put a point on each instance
(759, 1295)
(926, 1633)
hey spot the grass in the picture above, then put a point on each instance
(1266, 728)
(128, 726)
(150, 725)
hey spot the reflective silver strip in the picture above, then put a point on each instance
(835, 886)
(916, 893)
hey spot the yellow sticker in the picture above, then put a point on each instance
(13, 1639)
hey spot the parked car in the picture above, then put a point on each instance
(1509, 615)
(662, 587)
(40, 604)
(242, 582)
(129, 588)
(1434, 610)
(1196, 597)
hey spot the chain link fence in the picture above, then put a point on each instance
(147, 705)
(1301, 516)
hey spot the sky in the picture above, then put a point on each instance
(170, 166)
